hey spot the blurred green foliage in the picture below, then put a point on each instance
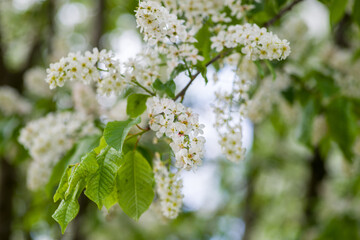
(269, 196)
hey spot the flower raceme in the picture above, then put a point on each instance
(92, 67)
(168, 186)
(169, 34)
(231, 108)
(257, 42)
(182, 126)
(105, 70)
(48, 138)
(143, 68)
(158, 25)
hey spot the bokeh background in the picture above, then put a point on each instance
(284, 189)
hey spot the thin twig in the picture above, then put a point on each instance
(144, 88)
(217, 57)
(223, 54)
(281, 13)
(99, 23)
(137, 134)
(143, 129)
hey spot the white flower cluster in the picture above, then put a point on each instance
(167, 32)
(195, 11)
(182, 126)
(49, 138)
(34, 80)
(257, 42)
(184, 52)
(158, 25)
(168, 186)
(99, 67)
(266, 96)
(143, 68)
(11, 102)
(231, 108)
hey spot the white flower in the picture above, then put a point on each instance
(167, 33)
(158, 25)
(49, 138)
(144, 68)
(91, 67)
(168, 186)
(257, 42)
(231, 108)
(181, 125)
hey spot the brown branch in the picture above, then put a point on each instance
(281, 13)
(221, 55)
(217, 57)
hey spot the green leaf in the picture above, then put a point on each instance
(136, 104)
(203, 43)
(289, 94)
(158, 85)
(342, 125)
(337, 10)
(102, 182)
(101, 146)
(68, 208)
(66, 212)
(271, 69)
(168, 88)
(134, 184)
(72, 157)
(112, 199)
(177, 70)
(356, 12)
(87, 166)
(325, 84)
(340, 227)
(203, 71)
(64, 184)
(116, 132)
(260, 70)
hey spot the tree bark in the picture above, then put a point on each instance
(7, 189)
(99, 23)
(317, 176)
